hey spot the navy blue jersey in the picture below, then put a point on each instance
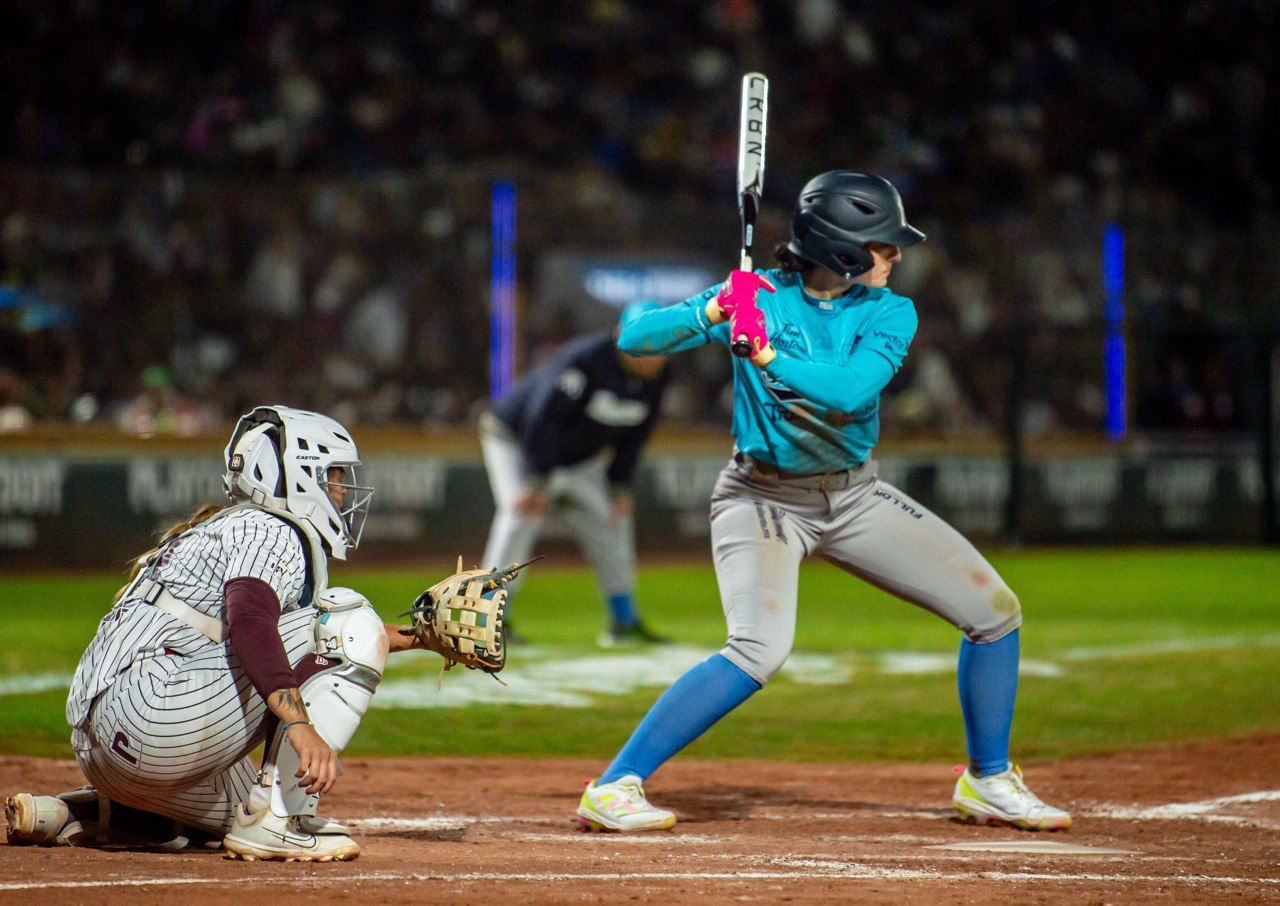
(577, 403)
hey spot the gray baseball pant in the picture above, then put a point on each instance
(762, 527)
(578, 494)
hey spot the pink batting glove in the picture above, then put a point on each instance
(741, 288)
(749, 335)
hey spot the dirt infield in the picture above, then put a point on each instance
(1195, 823)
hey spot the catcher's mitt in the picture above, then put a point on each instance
(462, 618)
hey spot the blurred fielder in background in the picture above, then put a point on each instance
(544, 448)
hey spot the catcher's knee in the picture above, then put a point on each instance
(337, 683)
(349, 629)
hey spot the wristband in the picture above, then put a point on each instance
(294, 723)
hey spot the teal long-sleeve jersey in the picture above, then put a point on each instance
(816, 407)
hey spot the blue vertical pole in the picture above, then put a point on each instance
(1113, 319)
(502, 300)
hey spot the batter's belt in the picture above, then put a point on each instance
(813, 481)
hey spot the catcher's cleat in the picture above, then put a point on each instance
(72, 819)
(300, 838)
(317, 825)
(621, 806)
(1005, 799)
(621, 635)
(35, 820)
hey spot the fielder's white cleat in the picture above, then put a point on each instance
(35, 820)
(1005, 799)
(621, 806)
(299, 838)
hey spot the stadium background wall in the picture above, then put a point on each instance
(433, 499)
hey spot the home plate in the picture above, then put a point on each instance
(1043, 847)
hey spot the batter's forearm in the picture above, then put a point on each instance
(665, 331)
(844, 388)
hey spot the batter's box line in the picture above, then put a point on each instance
(851, 871)
(756, 841)
(1206, 810)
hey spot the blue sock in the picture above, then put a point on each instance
(683, 713)
(623, 609)
(988, 679)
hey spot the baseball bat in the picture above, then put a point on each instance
(752, 120)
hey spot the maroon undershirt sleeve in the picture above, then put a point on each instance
(253, 612)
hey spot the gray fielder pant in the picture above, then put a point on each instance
(578, 495)
(762, 527)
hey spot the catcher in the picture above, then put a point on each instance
(228, 636)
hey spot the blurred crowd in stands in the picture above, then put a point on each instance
(207, 204)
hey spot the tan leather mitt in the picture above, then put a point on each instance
(462, 618)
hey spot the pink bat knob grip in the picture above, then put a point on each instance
(748, 330)
(738, 293)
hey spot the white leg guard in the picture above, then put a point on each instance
(337, 684)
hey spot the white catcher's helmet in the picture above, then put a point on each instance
(279, 458)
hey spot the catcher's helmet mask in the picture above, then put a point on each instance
(839, 212)
(280, 458)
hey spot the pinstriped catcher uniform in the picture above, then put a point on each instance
(228, 637)
(186, 713)
(226, 630)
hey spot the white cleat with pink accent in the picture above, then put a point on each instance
(1004, 798)
(621, 806)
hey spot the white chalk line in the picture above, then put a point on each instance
(832, 869)
(813, 867)
(32, 683)
(963, 853)
(1205, 806)
(1172, 646)
(1202, 810)
(565, 678)
(393, 823)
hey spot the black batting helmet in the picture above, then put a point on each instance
(839, 212)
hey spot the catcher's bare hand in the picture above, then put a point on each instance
(405, 638)
(425, 638)
(317, 762)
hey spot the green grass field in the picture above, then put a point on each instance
(1127, 647)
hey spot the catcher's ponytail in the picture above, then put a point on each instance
(202, 513)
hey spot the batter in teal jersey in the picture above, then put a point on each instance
(826, 337)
